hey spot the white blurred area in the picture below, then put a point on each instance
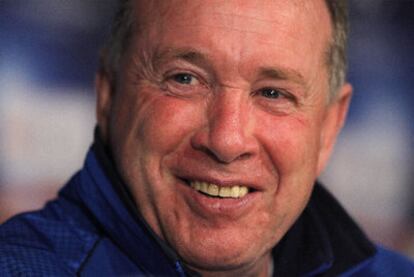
(43, 140)
(47, 127)
(45, 135)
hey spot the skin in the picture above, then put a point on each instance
(230, 92)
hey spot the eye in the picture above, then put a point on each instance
(184, 84)
(275, 100)
(185, 79)
(271, 93)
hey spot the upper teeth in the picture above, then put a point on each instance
(215, 190)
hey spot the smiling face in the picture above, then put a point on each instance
(220, 124)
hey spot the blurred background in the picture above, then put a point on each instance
(48, 56)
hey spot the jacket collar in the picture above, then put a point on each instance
(122, 226)
(323, 241)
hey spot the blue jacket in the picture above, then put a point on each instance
(93, 229)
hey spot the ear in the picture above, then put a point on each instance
(332, 124)
(104, 100)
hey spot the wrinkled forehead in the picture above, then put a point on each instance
(240, 35)
(313, 13)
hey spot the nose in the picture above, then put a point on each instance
(228, 134)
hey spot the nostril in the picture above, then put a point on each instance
(220, 159)
(212, 155)
(244, 156)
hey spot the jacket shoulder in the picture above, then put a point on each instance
(384, 263)
(49, 242)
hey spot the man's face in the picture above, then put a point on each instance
(223, 97)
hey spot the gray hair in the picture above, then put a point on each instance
(336, 55)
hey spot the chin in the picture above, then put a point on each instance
(218, 255)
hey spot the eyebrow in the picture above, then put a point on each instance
(279, 73)
(186, 54)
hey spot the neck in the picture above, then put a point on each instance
(261, 268)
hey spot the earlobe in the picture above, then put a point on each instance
(104, 95)
(334, 120)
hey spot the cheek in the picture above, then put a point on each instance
(147, 126)
(291, 143)
(167, 124)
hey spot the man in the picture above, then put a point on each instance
(214, 120)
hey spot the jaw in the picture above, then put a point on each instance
(216, 233)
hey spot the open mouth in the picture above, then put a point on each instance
(213, 190)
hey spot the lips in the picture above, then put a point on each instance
(214, 190)
(214, 199)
